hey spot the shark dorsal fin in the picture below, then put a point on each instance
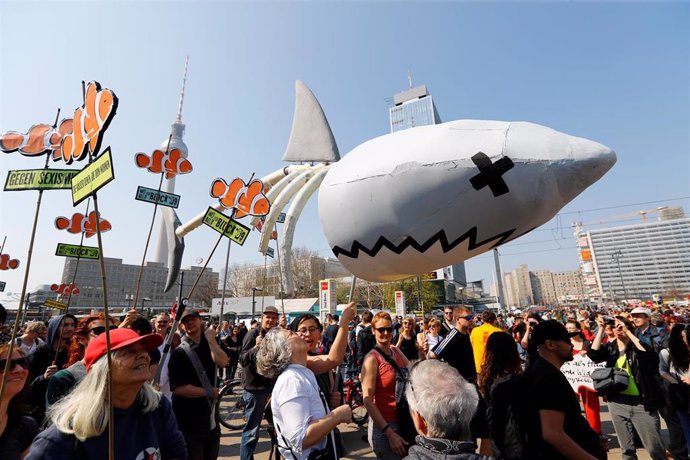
(311, 138)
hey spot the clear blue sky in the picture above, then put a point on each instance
(617, 73)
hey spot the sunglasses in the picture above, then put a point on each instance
(468, 317)
(381, 330)
(98, 330)
(23, 362)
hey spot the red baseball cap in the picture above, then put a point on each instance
(119, 338)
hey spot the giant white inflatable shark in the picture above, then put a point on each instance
(417, 200)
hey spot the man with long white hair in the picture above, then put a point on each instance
(145, 426)
(442, 404)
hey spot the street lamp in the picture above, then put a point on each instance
(616, 257)
(144, 299)
(254, 289)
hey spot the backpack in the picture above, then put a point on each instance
(402, 409)
(506, 414)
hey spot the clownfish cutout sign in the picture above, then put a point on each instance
(8, 264)
(65, 289)
(79, 223)
(173, 163)
(40, 139)
(89, 123)
(247, 199)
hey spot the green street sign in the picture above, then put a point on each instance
(73, 250)
(39, 179)
(218, 221)
(93, 177)
(154, 196)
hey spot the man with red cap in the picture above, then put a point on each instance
(145, 426)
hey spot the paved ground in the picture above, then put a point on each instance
(359, 448)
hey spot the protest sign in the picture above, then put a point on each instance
(578, 372)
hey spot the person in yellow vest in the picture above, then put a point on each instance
(480, 335)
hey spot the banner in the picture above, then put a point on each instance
(327, 298)
(39, 179)
(399, 303)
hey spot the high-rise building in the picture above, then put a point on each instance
(415, 107)
(518, 287)
(638, 261)
(543, 287)
(121, 280)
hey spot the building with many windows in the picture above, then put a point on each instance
(121, 281)
(543, 287)
(413, 107)
(638, 261)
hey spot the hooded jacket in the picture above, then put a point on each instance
(40, 360)
(644, 366)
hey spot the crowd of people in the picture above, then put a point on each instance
(456, 386)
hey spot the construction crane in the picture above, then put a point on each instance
(622, 217)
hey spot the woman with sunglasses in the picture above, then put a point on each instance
(433, 335)
(407, 342)
(16, 430)
(64, 380)
(378, 388)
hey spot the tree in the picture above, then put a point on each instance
(431, 292)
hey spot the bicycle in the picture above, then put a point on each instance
(231, 405)
(353, 398)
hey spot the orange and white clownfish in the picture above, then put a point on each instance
(246, 199)
(173, 163)
(8, 264)
(40, 139)
(90, 121)
(79, 223)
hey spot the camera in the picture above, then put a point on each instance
(609, 320)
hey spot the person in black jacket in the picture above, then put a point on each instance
(256, 387)
(637, 406)
(365, 338)
(49, 357)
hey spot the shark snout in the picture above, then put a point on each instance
(588, 162)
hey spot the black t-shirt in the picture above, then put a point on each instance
(233, 346)
(456, 350)
(409, 348)
(550, 390)
(193, 414)
(17, 437)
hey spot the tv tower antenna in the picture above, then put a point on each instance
(178, 119)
